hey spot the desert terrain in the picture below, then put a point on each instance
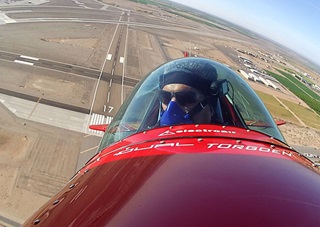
(37, 159)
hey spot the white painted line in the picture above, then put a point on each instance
(110, 82)
(31, 58)
(89, 149)
(112, 72)
(101, 119)
(96, 119)
(93, 117)
(121, 59)
(108, 98)
(109, 119)
(23, 62)
(109, 57)
(6, 19)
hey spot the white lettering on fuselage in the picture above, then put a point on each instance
(208, 146)
(248, 148)
(129, 149)
(168, 132)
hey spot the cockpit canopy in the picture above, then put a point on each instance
(234, 101)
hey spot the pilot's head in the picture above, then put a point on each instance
(185, 92)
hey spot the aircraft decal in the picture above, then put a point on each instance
(248, 148)
(168, 132)
(232, 148)
(130, 149)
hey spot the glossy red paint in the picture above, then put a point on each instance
(190, 176)
(101, 128)
(192, 138)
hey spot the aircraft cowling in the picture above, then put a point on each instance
(190, 187)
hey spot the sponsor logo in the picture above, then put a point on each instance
(169, 133)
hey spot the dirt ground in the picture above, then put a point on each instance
(22, 182)
(36, 161)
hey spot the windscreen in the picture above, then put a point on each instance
(235, 103)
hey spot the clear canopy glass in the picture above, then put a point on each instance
(237, 105)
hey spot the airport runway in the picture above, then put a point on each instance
(110, 74)
(111, 81)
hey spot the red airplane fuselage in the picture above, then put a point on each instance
(190, 175)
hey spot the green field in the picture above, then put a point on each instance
(276, 109)
(180, 12)
(142, 1)
(299, 89)
(307, 116)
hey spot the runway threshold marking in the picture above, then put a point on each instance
(98, 119)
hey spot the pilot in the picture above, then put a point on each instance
(185, 93)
